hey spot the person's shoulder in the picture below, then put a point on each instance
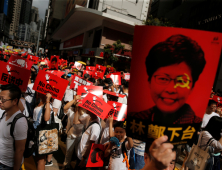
(145, 114)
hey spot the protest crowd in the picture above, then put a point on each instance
(47, 100)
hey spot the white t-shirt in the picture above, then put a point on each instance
(206, 119)
(36, 112)
(1, 112)
(29, 98)
(91, 134)
(6, 140)
(25, 111)
(116, 158)
(57, 104)
(68, 94)
(105, 98)
(75, 131)
(124, 99)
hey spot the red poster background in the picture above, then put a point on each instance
(54, 64)
(145, 37)
(56, 86)
(57, 73)
(79, 81)
(33, 59)
(100, 68)
(90, 68)
(119, 110)
(87, 72)
(96, 156)
(97, 75)
(127, 76)
(95, 105)
(115, 78)
(20, 62)
(96, 90)
(18, 76)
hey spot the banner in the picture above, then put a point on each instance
(96, 156)
(33, 59)
(87, 72)
(57, 73)
(95, 90)
(54, 62)
(119, 111)
(11, 74)
(96, 105)
(91, 68)
(114, 94)
(97, 75)
(115, 78)
(48, 83)
(111, 69)
(79, 81)
(20, 62)
(127, 76)
(100, 68)
(171, 82)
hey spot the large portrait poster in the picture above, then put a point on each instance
(54, 62)
(172, 74)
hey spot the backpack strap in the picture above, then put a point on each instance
(2, 115)
(123, 146)
(92, 124)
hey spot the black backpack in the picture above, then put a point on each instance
(30, 106)
(30, 145)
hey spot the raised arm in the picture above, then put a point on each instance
(47, 107)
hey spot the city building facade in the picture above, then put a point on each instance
(25, 12)
(34, 14)
(24, 32)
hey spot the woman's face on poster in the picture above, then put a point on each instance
(170, 86)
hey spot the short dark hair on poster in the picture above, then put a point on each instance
(174, 50)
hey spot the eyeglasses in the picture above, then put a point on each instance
(4, 100)
(182, 81)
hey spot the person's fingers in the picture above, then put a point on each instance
(164, 147)
(156, 143)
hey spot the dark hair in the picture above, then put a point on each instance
(125, 83)
(121, 124)
(54, 59)
(92, 80)
(80, 72)
(174, 50)
(93, 155)
(100, 82)
(14, 91)
(108, 81)
(211, 102)
(86, 76)
(214, 127)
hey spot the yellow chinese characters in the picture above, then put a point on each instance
(155, 131)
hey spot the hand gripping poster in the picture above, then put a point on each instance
(171, 78)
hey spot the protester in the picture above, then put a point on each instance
(37, 118)
(210, 112)
(212, 136)
(11, 150)
(90, 136)
(117, 153)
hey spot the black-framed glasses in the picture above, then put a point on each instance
(179, 80)
(4, 100)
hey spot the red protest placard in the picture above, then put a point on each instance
(97, 75)
(11, 74)
(96, 156)
(111, 69)
(79, 81)
(96, 90)
(87, 72)
(115, 78)
(173, 76)
(119, 111)
(57, 73)
(113, 93)
(33, 59)
(48, 83)
(100, 68)
(127, 76)
(77, 65)
(96, 105)
(90, 68)
(54, 62)
(20, 62)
